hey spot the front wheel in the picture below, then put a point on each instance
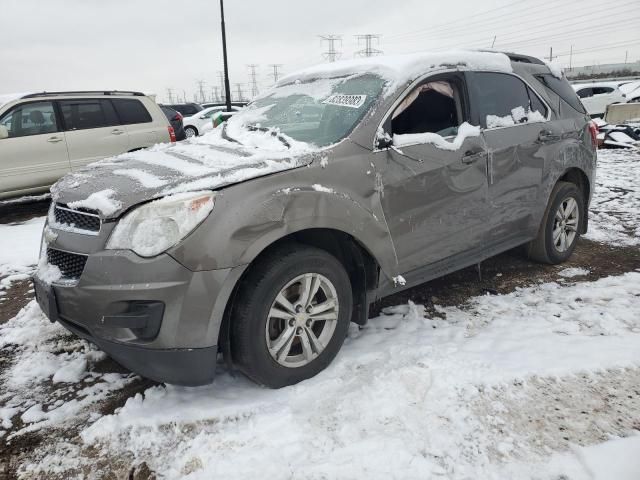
(190, 132)
(291, 316)
(560, 226)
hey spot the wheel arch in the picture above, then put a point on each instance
(579, 178)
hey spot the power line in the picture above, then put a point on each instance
(332, 54)
(368, 50)
(254, 80)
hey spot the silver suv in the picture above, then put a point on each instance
(346, 182)
(44, 136)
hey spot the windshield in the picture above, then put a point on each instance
(319, 111)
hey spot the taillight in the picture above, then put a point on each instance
(593, 130)
(172, 134)
(178, 117)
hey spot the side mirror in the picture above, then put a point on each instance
(384, 141)
(4, 132)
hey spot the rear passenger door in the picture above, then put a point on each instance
(519, 140)
(137, 121)
(93, 130)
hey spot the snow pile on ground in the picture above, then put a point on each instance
(45, 352)
(409, 396)
(614, 217)
(19, 251)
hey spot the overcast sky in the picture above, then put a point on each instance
(151, 45)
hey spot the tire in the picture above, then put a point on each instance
(560, 215)
(190, 132)
(277, 351)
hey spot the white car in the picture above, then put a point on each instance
(44, 136)
(631, 89)
(203, 121)
(596, 96)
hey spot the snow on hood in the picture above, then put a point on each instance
(400, 69)
(113, 185)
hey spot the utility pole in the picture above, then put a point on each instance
(201, 90)
(332, 54)
(254, 80)
(276, 71)
(494, 41)
(240, 94)
(170, 95)
(626, 56)
(551, 54)
(368, 50)
(570, 57)
(227, 88)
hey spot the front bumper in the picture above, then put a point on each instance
(153, 316)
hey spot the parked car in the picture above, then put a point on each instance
(596, 96)
(237, 105)
(631, 90)
(265, 238)
(45, 135)
(203, 121)
(186, 109)
(175, 119)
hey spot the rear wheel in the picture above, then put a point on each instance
(560, 228)
(190, 132)
(291, 316)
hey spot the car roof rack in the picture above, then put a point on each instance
(84, 92)
(517, 57)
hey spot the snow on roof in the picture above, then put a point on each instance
(400, 69)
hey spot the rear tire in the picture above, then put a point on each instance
(282, 329)
(560, 227)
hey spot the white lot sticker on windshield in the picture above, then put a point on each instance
(353, 101)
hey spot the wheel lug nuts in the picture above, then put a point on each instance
(308, 323)
(299, 331)
(309, 308)
(292, 322)
(298, 308)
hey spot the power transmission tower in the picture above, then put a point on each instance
(215, 95)
(184, 96)
(254, 80)
(170, 94)
(201, 90)
(368, 50)
(222, 89)
(331, 54)
(276, 71)
(240, 92)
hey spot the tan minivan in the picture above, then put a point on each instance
(43, 136)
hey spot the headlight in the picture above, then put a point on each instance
(159, 225)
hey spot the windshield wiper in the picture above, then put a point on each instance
(274, 133)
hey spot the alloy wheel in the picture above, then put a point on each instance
(302, 320)
(565, 224)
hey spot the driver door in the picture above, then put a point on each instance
(434, 195)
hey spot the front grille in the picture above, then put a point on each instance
(71, 265)
(80, 219)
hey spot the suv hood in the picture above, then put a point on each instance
(116, 184)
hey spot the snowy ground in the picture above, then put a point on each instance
(539, 380)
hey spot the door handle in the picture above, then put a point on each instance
(470, 156)
(547, 136)
(117, 131)
(54, 139)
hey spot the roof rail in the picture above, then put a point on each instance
(517, 57)
(84, 92)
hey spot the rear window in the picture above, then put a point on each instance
(562, 88)
(131, 111)
(85, 114)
